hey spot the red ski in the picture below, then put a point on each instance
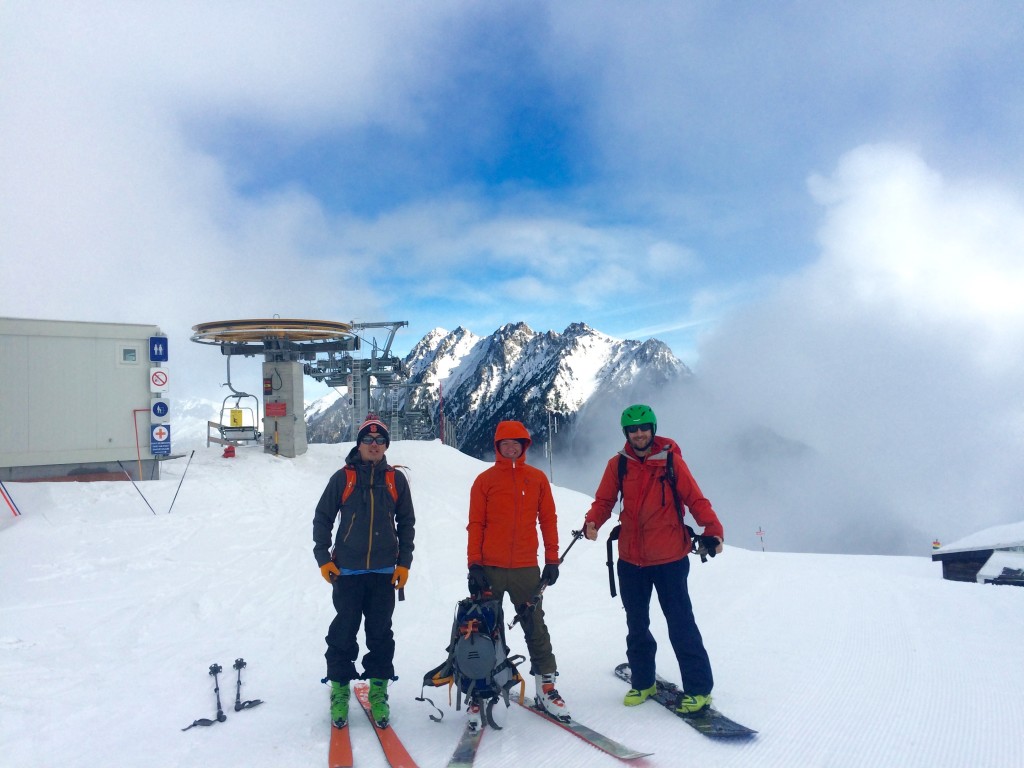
(394, 751)
(340, 753)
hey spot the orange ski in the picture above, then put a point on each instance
(394, 750)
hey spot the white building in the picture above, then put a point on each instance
(82, 401)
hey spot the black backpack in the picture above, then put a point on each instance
(478, 663)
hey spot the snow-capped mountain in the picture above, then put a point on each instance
(517, 373)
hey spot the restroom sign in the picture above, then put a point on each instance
(160, 440)
(158, 349)
(159, 380)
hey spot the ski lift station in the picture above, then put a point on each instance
(82, 401)
(323, 350)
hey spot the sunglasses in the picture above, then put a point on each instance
(370, 440)
(634, 428)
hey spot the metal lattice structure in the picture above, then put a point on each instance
(325, 349)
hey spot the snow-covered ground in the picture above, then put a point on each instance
(110, 617)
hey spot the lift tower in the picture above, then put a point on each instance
(323, 350)
(285, 345)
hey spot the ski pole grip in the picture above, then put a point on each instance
(401, 593)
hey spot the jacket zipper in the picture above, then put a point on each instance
(369, 533)
(515, 514)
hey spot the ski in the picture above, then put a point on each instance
(710, 722)
(394, 750)
(589, 735)
(340, 752)
(465, 751)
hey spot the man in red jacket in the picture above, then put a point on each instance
(653, 548)
(506, 503)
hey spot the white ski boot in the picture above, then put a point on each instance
(548, 699)
(475, 714)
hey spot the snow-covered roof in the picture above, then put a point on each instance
(993, 568)
(997, 537)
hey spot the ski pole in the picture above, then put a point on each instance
(136, 487)
(180, 482)
(239, 704)
(576, 536)
(215, 669)
(9, 499)
(527, 608)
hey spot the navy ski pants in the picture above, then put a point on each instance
(635, 585)
(367, 595)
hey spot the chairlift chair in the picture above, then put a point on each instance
(236, 428)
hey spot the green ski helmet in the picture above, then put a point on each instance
(639, 414)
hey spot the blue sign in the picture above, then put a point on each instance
(158, 349)
(160, 409)
(160, 440)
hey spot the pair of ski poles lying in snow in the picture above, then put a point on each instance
(215, 670)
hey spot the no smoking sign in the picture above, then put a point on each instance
(159, 380)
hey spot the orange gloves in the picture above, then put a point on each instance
(330, 572)
(399, 577)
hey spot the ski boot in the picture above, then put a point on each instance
(475, 719)
(690, 706)
(548, 699)
(379, 708)
(637, 696)
(339, 704)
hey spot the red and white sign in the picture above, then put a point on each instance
(159, 380)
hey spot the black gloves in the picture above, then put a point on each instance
(550, 573)
(477, 581)
(706, 546)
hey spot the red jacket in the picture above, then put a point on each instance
(651, 532)
(505, 505)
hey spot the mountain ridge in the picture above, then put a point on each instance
(538, 378)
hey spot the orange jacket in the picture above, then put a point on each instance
(505, 505)
(651, 533)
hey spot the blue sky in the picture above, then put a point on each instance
(642, 168)
(798, 198)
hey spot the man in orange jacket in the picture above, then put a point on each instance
(506, 503)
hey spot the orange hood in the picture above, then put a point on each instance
(511, 430)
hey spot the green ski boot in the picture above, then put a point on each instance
(693, 705)
(339, 704)
(635, 697)
(379, 708)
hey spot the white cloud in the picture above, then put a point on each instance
(881, 360)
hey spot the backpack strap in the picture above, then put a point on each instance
(389, 481)
(350, 483)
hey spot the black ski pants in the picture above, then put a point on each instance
(369, 596)
(635, 585)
